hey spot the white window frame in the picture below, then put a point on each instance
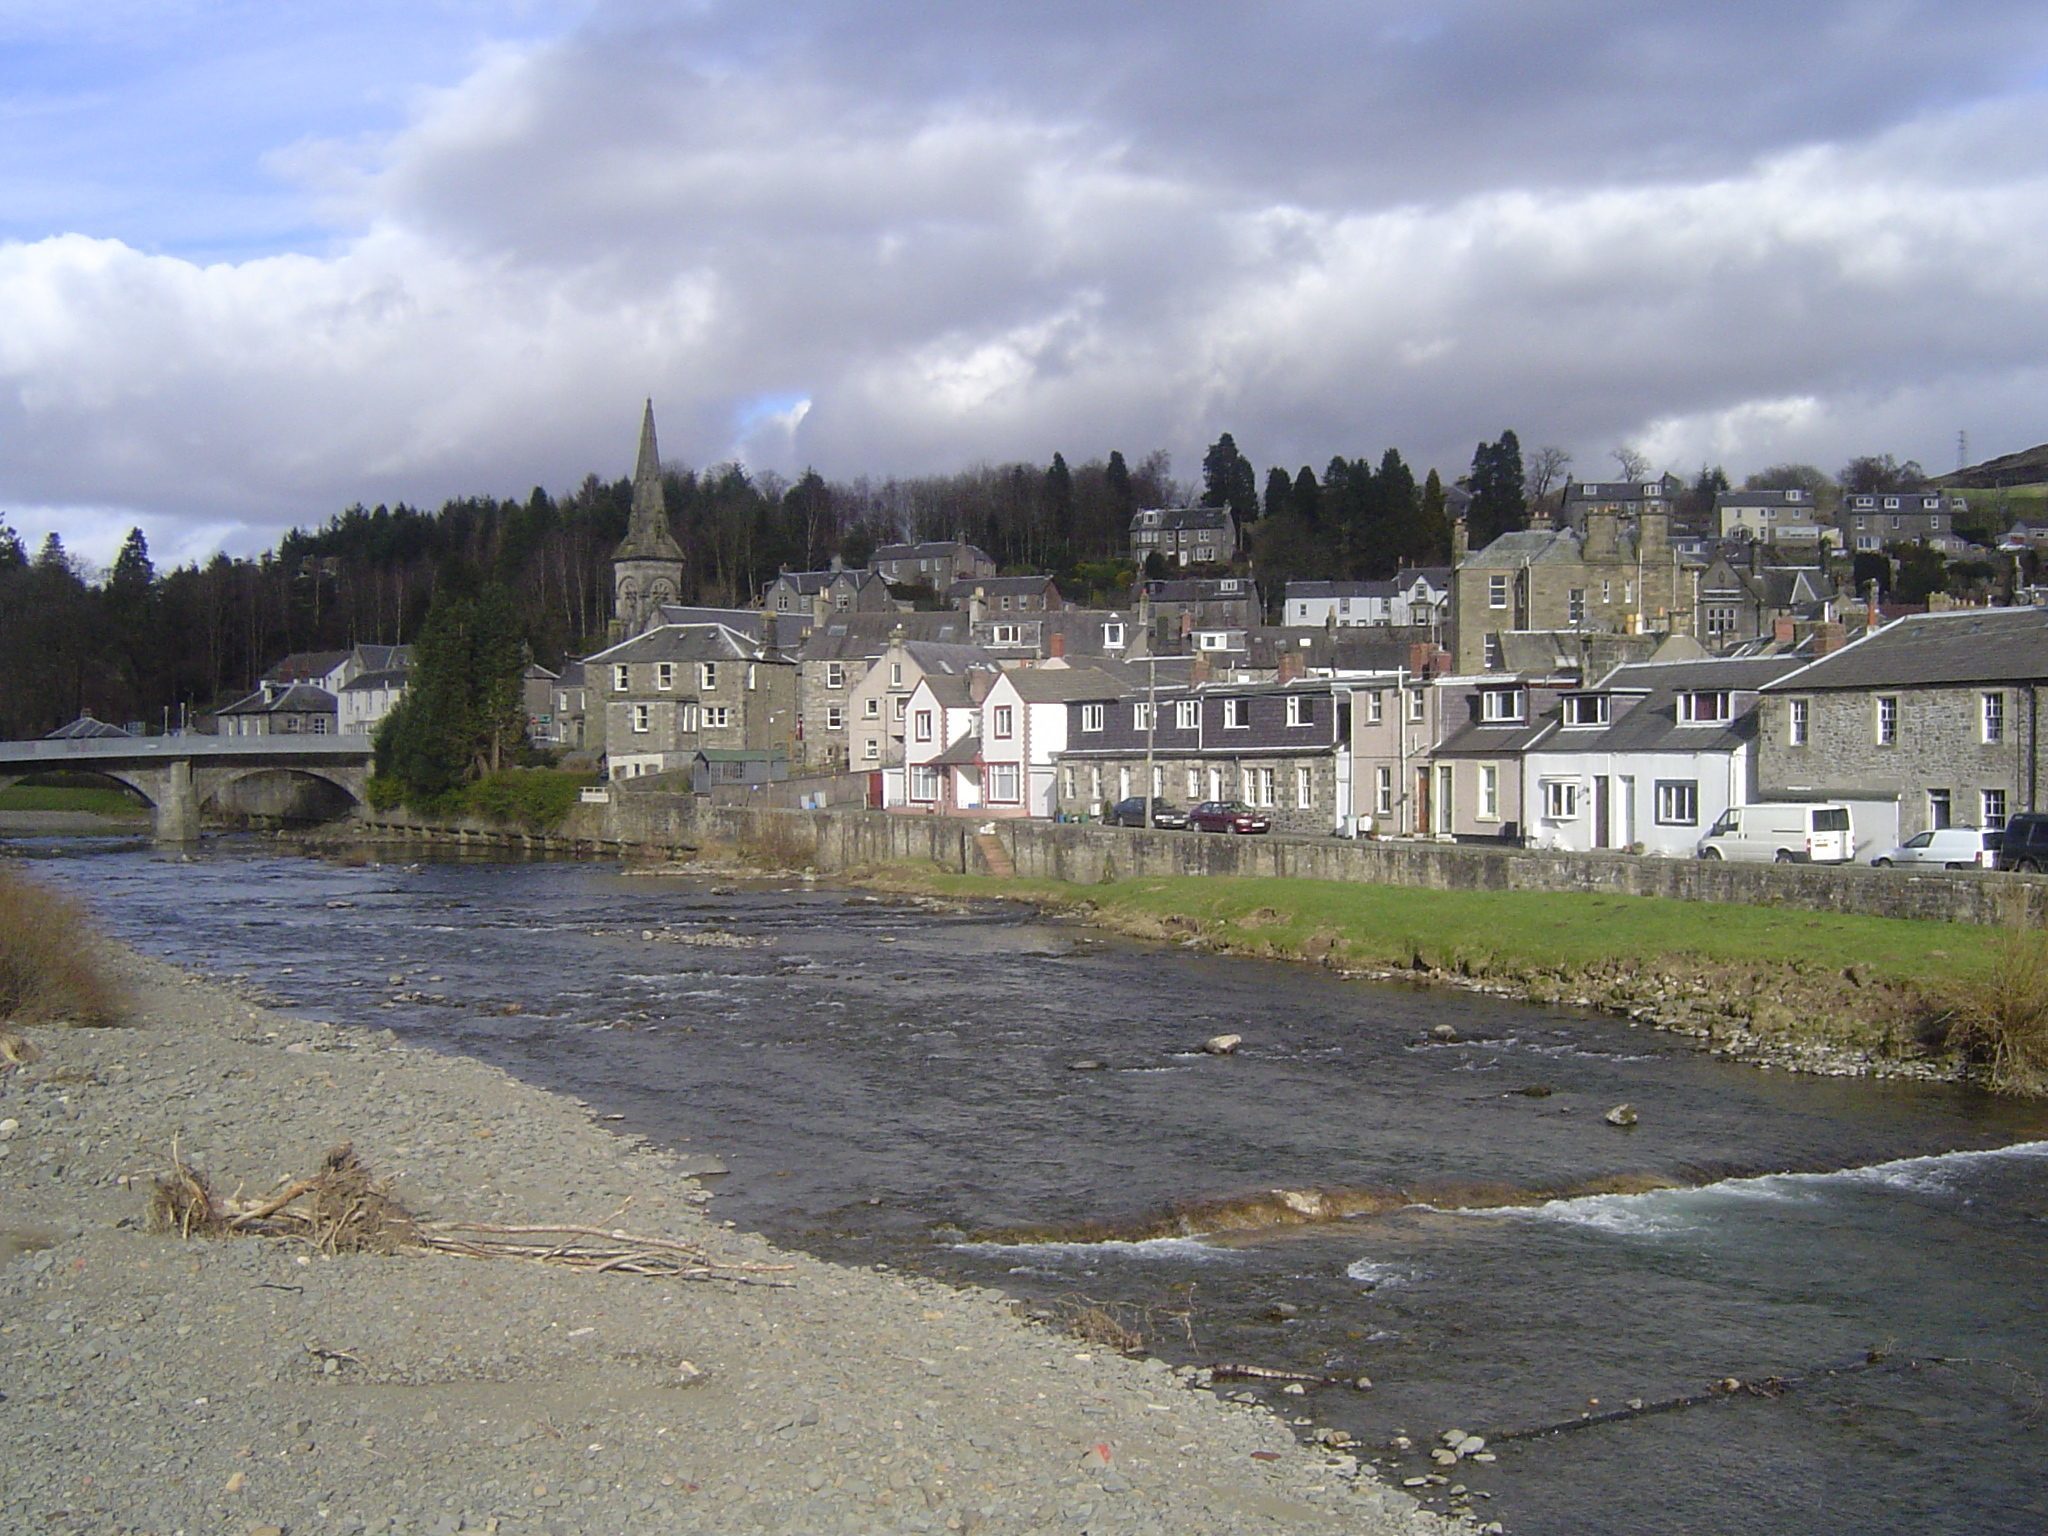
(622, 677)
(871, 749)
(642, 719)
(1992, 713)
(835, 674)
(1092, 716)
(1296, 713)
(1141, 716)
(1886, 710)
(1798, 722)
(871, 708)
(1489, 792)
(1002, 721)
(1418, 706)
(1375, 707)
(1583, 709)
(1560, 799)
(1678, 802)
(1237, 714)
(1503, 706)
(1305, 787)
(924, 725)
(1258, 786)
(1383, 791)
(835, 717)
(1991, 808)
(1187, 714)
(1112, 637)
(717, 717)
(1705, 706)
(664, 675)
(1497, 590)
(924, 783)
(707, 675)
(1006, 784)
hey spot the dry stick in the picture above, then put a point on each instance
(271, 1207)
(1730, 1387)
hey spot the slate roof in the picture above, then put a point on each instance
(997, 586)
(1934, 650)
(1060, 685)
(85, 728)
(299, 699)
(365, 681)
(1652, 724)
(1171, 518)
(811, 583)
(937, 549)
(946, 659)
(961, 753)
(304, 666)
(1301, 589)
(683, 642)
(865, 636)
(950, 690)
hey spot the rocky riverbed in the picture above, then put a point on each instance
(256, 1385)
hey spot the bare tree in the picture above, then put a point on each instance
(1543, 469)
(1632, 462)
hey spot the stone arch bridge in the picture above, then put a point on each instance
(179, 775)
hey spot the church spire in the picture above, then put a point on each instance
(647, 535)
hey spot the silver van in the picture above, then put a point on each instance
(1781, 833)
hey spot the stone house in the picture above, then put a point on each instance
(565, 726)
(1184, 536)
(1612, 578)
(938, 565)
(1771, 517)
(1172, 609)
(1019, 639)
(818, 593)
(1629, 500)
(1005, 594)
(1872, 519)
(1742, 599)
(290, 709)
(680, 688)
(1648, 757)
(1929, 722)
(1283, 748)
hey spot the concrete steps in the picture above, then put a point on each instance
(995, 858)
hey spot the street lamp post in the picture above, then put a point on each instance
(1151, 725)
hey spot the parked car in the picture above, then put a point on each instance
(2024, 844)
(1947, 848)
(1131, 813)
(1227, 816)
(1784, 833)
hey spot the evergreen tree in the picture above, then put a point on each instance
(1435, 522)
(461, 715)
(1498, 504)
(1279, 492)
(1308, 499)
(1400, 511)
(1228, 480)
(13, 556)
(1059, 507)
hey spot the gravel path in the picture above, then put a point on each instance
(251, 1386)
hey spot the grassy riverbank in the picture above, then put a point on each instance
(1823, 991)
(95, 800)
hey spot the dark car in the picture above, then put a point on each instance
(1227, 816)
(1131, 813)
(2025, 845)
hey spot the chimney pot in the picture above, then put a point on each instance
(1056, 647)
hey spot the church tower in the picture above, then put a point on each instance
(647, 567)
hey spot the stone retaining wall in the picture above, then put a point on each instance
(654, 822)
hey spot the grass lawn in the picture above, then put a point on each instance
(1503, 932)
(98, 800)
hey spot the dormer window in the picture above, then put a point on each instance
(1585, 709)
(1112, 637)
(1502, 706)
(1705, 707)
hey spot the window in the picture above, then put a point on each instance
(1003, 719)
(1497, 591)
(1375, 707)
(1212, 640)
(1383, 791)
(1607, 591)
(1006, 602)
(1704, 707)
(835, 674)
(871, 749)
(1002, 634)
(1091, 717)
(1795, 722)
(835, 718)
(640, 714)
(664, 675)
(716, 717)
(1002, 783)
(1141, 717)
(1095, 783)
(1186, 713)
(1489, 653)
(1194, 784)
(1418, 704)
(871, 709)
(1069, 782)
(1939, 805)
(1561, 799)
(895, 674)
(1585, 709)
(924, 783)
(1994, 717)
(620, 675)
(1305, 788)
(1299, 710)
(1575, 606)
(924, 724)
(319, 725)
(902, 703)
(708, 675)
(1993, 805)
(1489, 792)
(686, 718)
(1501, 706)
(782, 602)
(1258, 785)
(1237, 714)
(1887, 722)
(1112, 637)
(1678, 803)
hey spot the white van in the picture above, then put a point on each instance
(1785, 834)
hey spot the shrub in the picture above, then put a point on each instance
(535, 798)
(2001, 1021)
(50, 963)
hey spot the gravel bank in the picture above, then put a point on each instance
(251, 1386)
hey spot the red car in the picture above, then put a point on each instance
(1227, 816)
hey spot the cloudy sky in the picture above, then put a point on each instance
(259, 260)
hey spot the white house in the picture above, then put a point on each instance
(1648, 757)
(941, 771)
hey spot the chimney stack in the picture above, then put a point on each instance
(1603, 534)
(1784, 630)
(1873, 614)
(1829, 638)
(1461, 541)
(1199, 670)
(1056, 646)
(1292, 664)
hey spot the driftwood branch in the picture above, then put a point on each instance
(344, 1209)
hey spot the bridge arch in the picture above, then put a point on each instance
(280, 791)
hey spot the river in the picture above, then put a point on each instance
(894, 1084)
